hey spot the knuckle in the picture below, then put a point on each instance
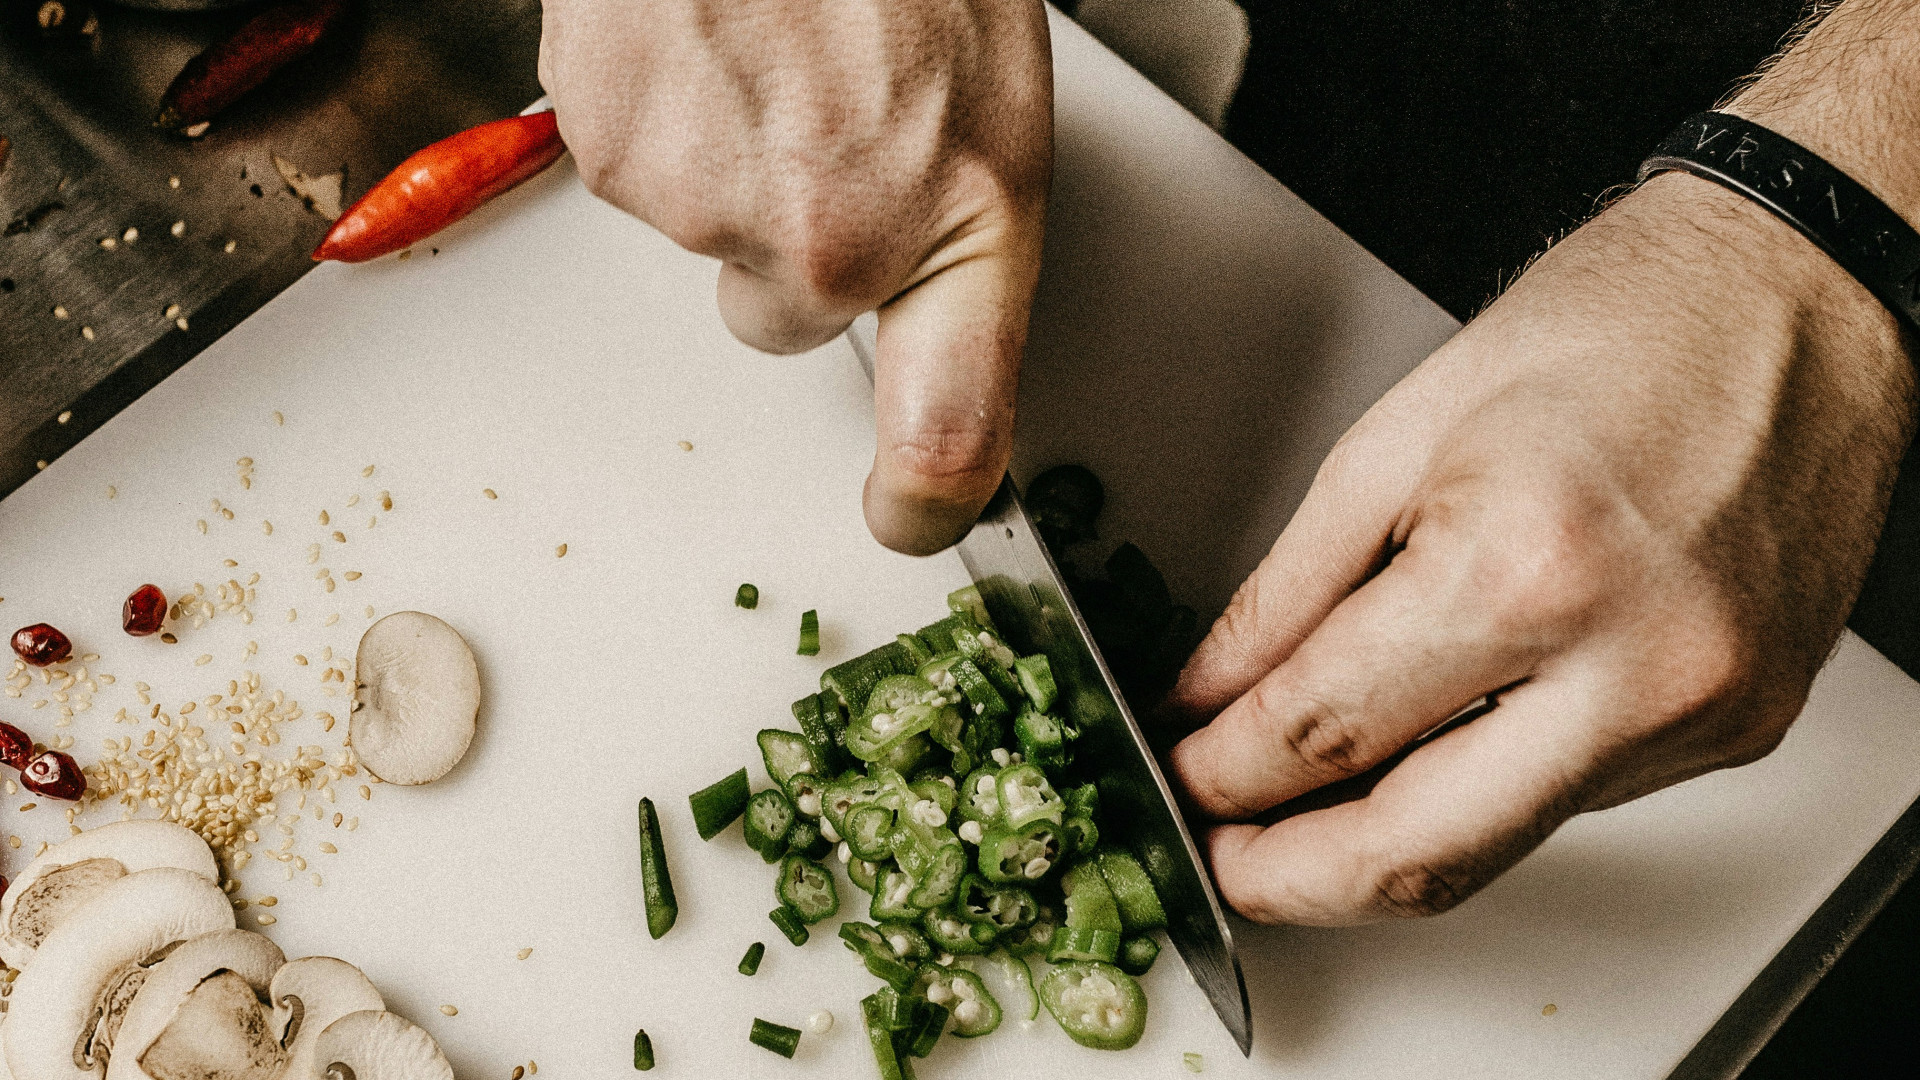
(1545, 572)
(1415, 888)
(946, 459)
(1317, 733)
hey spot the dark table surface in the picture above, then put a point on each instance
(1453, 138)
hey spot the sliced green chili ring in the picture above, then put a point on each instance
(950, 933)
(747, 596)
(715, 807)
(1137, 954)
(1084, 799)
(1037, 937)
(906, 755)
(975, 1011)
(985, 698)
(656, 884)
(750, 963)
(875, 733)
(1026, 797)
(806, 839)
(892, 897)
(824, 727)
(1080, 943)
(937, 790)
(852, 681)
(931, 1023)
(808, 793)
(1097, 1005)
(1017, 974)
(1036, 680)
(1133, 892)
(769, 819)
(843, 795)
(1080, 835)
(790, 924)
(1018, 855)
(979, 795)
(778, 1038)
(863, 874)
(876, 952)
(869, 832)
(881, 1040)
(787, 755)
(968, 601)
(642, 1044)
(1003, 907)
(917, 650)
(1090, 904)
(807, 888)
(1042, 740)
(919, 846)
(907, 941)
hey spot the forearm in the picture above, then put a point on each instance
(1850, 92)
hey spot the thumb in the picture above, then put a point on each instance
(946, 369)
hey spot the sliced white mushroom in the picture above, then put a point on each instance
(310, 993)
(200, 1013)
(97, 957)
(417, 694)
(69, 873)
(375, 1045)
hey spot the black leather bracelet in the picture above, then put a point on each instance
(1847, 221)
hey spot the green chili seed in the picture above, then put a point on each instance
(790, 924)
(778, 1038)
(750, 963)
(642, 1051)
(747, 596)
(809, 633)
(656, 885)
(716, 807)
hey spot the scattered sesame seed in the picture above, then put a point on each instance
(265, 919)
(488, 492)
(300, 659)
(323, 517)
(330, 619)
(172, 312)
(24, 807)
(533, 1066)
(368, 471)
(41, 464)
(1549, 1010)
(685, 445)
(560, 552)
(407, 254)
(87, 332)
(196, 130)
(173, 182)
(366, 792)
(203, 660)
(230, 246)
(329, 848)
(181, 322)
(518, 1072)
(64, 417)
(278, 418)
(351, 575)
(201, 525)
(522, 954)
(292, 614)
(369, 611)
(386, 501)
(267, 901)
(267, 527)
(339, 537)
(179, 228)
(449, 1010)
(108, 243)
(60, 311)
(130, 235)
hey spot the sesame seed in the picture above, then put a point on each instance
(265, 919)
(231, 244)
(560, 552)
(368, 471)
(518, 1072)
(449, 1010)
(203, 660)
(522, 954)
(366, 792)
(87, 332)
(1549, 1010)
(278, 417)
(323, 517)
(24, 807)
(179, 228)
(329, 848)
(267, 527)
(330, 619)
(181, 322)
(685, 445)
(171, 640)
(41, 464)
(130, 235)
(59, 311)
(268, 901)
(112, 492)
(329, 584)
(339, 537)
(489, 493)
(299, 659)
(292, 614)
(108, 243)
(351, 575)
(353, 501)
(201, 525)
(173, 181)
(64, 417)
(369, 611)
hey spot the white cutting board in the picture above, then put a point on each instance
(1201, 338)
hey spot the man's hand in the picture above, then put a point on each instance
(840, 157)
(1635, 500)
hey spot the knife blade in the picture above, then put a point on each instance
(1026, 596)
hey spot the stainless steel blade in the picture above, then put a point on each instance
(1028, 599)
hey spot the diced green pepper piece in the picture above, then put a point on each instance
(1097, 1005)
(950, 933)
(852, 681)
(747, 596)
(642, 1044)
(1137, 954)
(806, 839)
(750, 963)
(1081, 943)
(863, 874)
(869, 832)
(778, 1038)
(769, 819)
(1027, 797)
(788, 755)
(881, 1040)
(1018, 855)
(980, 795)
(986, 700)
(809, 633)
(892, 897)
(1080, 836)
(1036, 680)
(975, 1012)
(1042, 739)
(807, 888)
(1133, 892)
(715, 806)
(656, 885)
(790, 924)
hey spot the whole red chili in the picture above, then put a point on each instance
(16, 746)
(41, 645)
(54, 775)
(226, 70)
(441, 184)
(144, 611)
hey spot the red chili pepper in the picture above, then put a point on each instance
(41, 644)
(226, 70)
(16, 746)
(144, 612)
(441, 184)
(54, 775)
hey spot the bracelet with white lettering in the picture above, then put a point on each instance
(1844, 219)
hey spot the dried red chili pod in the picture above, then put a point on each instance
(16, 746)
(54, 775)
(41, 644)
(144, 612)
(441, 184)
(225, 71)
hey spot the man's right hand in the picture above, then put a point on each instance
(839, 158)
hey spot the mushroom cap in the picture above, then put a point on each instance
(127, 921)
(377, 1045)
(310, 993)
(417, 695)
(170, 982)
(67, 874)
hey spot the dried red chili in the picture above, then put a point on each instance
(144, 611)
(441, 184)
(16, 746)
(54, 775)
(225, 71)
(41, 644)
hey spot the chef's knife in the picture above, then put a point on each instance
(1026, 597)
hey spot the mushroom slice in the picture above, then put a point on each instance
(310, 993)
(199, 1013)
(92, 960)
(375, 1045)
(416, 696)
(68, 874)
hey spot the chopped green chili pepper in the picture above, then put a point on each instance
(750, 963)
(809, 633)
(656, 885)
(1009, 854)
(950, 933)
(852, 681)
(917, 650)
(892, 898)
(1037, 938)
(642, 1051)
(975, 1012)
(1043, 742)
(1026, 797)
(790, 924)
(1083, 943)
(806, 839)
(778, 1038)
(1097, 1005)
(879, 955)
(968, 601)
(1137, 954)
(1133, 892)
(881, 1039)
(787, 755)
(1003, 907)
(1079, 835)
(863, 874)
(1036, 680)
(807, 889)
(769, 819)
(747, 596)
(980, 795)
(715, 807)
(986, 700)
(1018, 975)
